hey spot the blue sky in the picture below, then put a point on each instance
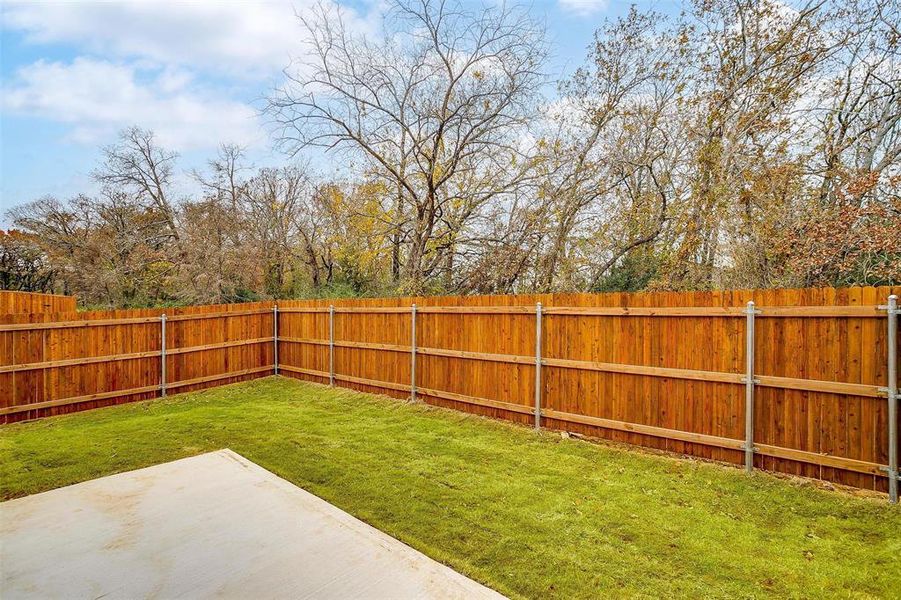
(75, 73)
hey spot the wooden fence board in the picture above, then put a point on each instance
(15, 302)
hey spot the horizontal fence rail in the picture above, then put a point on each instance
(681, 311)
(801, 382)
(788, 383)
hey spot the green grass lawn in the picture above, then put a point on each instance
(530, 515)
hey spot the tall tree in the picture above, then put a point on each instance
(437, 108)
(24, 265)
(137, 165)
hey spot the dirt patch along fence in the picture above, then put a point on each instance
(663, 370)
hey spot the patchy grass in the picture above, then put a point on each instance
(530, 515)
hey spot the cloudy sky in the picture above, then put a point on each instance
(75, 73)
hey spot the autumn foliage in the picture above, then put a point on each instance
(743, 143)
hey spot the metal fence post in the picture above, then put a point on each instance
(538, 365)
(413, 353)
(275, 336)
(163, 354)
(749, 387)
(892, 390)
(331, 345)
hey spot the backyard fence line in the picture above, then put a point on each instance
(748, 380)
(110, 357)
(588, 369)
(752, 442)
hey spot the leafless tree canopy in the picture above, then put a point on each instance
(744, 143)
(438, 111)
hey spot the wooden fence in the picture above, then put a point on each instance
(65, 362)
(663, 370)
(13, 302)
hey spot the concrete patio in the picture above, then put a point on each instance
(214, 525)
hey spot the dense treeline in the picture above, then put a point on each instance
(741, 144)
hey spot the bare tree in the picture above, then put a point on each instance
(138, 166)
(608, 164)
(742, 143)
(438, 108)
(859, 108)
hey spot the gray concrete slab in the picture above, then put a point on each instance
(214, 525)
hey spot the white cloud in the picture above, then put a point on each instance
(584, 7)
(98, 97)
(251, 40)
